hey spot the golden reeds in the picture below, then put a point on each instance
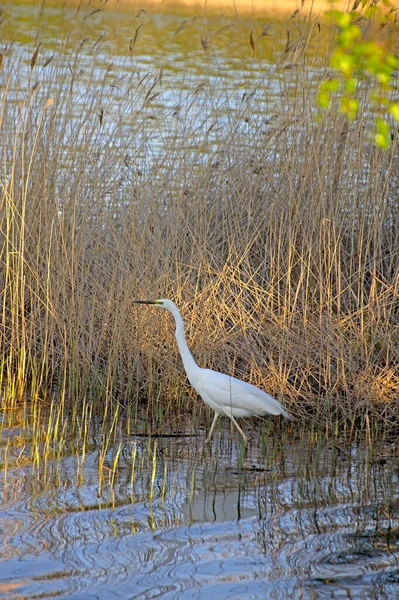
(276, 234)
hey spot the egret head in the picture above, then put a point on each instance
(161, 303)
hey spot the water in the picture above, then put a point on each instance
(157, 81)
(176, 520)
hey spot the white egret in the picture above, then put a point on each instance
(224, 394)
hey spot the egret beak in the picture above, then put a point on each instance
(145, 302)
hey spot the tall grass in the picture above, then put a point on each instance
(276, 234)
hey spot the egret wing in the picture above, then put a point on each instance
(231, 396)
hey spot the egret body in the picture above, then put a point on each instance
(224, 394)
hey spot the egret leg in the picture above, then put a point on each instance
(215, 418)
(244, 437)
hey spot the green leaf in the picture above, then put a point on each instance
(323, 99)
(344, 63)
(349, 106)
(382, 141)
(383, 78)
(392, 61)
(343, 19)
(394, 110)
(351, 85)
(382, 136)
(353, 106)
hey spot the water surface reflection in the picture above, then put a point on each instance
(184, 522)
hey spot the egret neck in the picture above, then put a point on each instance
(191, 367)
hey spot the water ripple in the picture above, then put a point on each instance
(200, 526)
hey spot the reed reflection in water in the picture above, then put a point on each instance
(314, 520)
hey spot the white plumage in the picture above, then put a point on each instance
(224, 394)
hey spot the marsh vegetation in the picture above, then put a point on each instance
(148, 155)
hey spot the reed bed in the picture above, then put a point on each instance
(276, 234)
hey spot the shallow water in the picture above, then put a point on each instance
(168, 518)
